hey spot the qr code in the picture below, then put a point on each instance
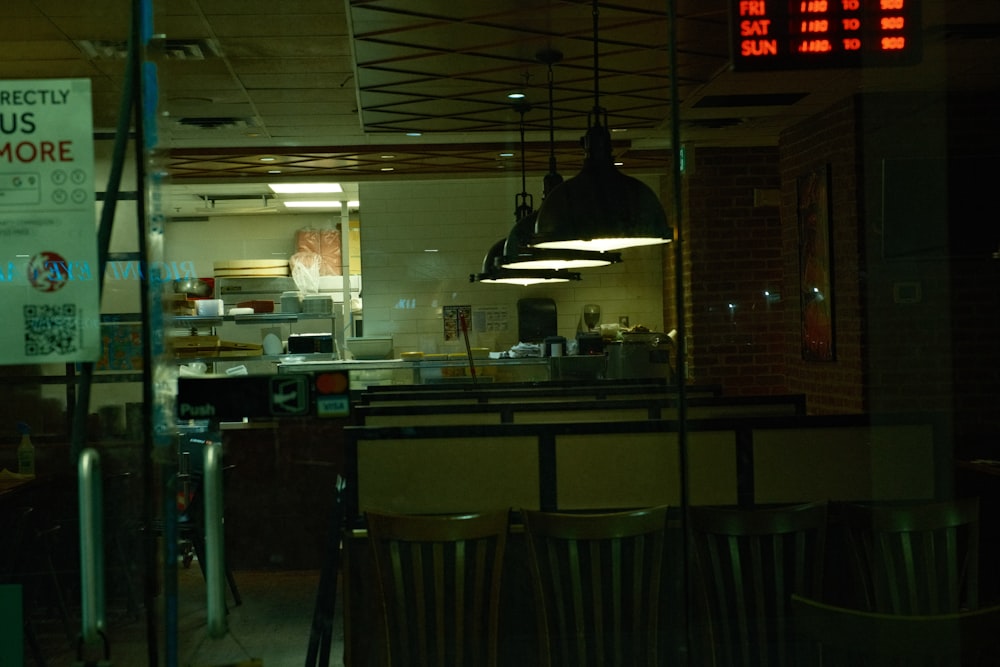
(50, 329)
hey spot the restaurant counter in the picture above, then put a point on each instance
(426, 371)
(283, 472)
(279, 490)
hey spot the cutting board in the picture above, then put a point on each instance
(251, 268)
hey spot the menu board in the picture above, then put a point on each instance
(806, 34)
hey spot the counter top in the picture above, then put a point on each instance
(432, 371)
(289, 365)
(248, 318)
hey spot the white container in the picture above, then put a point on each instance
(209, 307)
(372, 347)
(272, 345)
(291, 302)
(317, 303)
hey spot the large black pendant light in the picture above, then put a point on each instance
(600, 208)
(518, 253)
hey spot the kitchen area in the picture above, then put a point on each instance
(276, 304)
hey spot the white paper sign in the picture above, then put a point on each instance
(49, 291)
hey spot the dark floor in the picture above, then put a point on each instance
(272, 625)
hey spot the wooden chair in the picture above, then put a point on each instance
(597, 582)
(854, 638)
(915, 558)
(746, 564)
(439, 584)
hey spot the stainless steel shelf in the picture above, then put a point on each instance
(256, 318)
(319, 357)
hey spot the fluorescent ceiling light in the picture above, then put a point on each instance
(305, 188)
(320, 203)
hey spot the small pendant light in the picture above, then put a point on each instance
(518, 253)
(494, 273)
(600, 208)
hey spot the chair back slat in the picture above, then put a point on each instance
(747, 563)
(439, 586)
(915, 558)
(597, 579)
(836, 636)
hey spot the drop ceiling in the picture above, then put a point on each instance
(330, 90)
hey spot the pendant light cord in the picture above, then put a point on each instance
(552, 179)
(552, 128)
(597, 112)
(524, 202)
(524, 184)
(597, 101)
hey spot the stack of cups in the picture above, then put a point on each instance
(291, 302)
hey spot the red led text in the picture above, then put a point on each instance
(753, 8)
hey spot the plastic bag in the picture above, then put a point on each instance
(305, 271)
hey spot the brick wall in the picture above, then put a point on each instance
(827, 140)
(733, 271)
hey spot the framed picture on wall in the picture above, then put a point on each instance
(816, 265)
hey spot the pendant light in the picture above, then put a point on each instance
(600, 208)
(494, 273)
(518, 253)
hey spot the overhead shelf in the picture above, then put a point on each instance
(256, 318)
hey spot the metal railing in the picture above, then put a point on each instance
(215, 575)
(91, 545)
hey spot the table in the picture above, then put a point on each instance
(12, 483)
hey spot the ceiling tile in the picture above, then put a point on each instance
(14, 50)
(299, 26)
(301, 80)
(35, 28)
(237, 47)
(291, 65)
(338, 94)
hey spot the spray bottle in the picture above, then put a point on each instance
(25, 451)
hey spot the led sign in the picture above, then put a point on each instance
(806, 34)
